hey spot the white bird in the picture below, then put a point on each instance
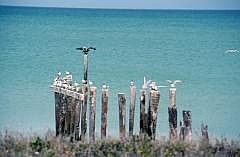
(76, 84)
(146, 83)
(104, 86)
(90, 83)
(173, 83)
(131, 83)
(162, 86)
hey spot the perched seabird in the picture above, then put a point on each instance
(146, 83)
(173, 83)
(86, 49)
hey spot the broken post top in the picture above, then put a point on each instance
(187, 118)
(85, 50)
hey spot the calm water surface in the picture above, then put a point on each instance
(36, 43)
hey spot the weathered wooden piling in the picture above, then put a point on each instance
(77, 119)
(57, 112)
(172, 110)
(72, 117)
(79, 97)
(181, 133)
(63, 114)
(172, 113)
(132, 107)
(145, 123)
(204, 131)
(104, 111)
(142, 111)
(68, 115)
(154, 97)
(122, 115)
(92, 104)
(187, 122)
(85, 51)
(85, 66)
(68, 98)
(84, 112)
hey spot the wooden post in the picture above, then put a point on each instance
(172, 114)
(85, 51)
(57, 112)
(187, 121)
(132, 107)
(172, 118)
(77, 119)
(73, 116)
(145, 123)
(85, 66)
(63, 114)
(181, 133)
(122, 114)
(142, 111)
(104, 111)
(154, 97)
(68, 115)
(84, 111)
(92, 104)
(204, 130)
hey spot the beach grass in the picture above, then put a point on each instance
(16, 144)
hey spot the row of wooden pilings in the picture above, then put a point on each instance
(71, 103)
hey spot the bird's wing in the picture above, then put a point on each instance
(162, 86)
(169, 81)
(177, 81)
(93, 48)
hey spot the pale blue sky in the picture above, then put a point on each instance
(130, 4)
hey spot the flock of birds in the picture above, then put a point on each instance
(149, 84)
(67, 83)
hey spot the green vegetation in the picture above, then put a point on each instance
(16, 144)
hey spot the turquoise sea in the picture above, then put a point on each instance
(36, 43)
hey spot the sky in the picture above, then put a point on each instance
(130, 4)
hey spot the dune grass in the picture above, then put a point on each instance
(17, 144)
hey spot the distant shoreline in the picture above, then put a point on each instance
(129, 9)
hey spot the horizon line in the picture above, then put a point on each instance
(115, 8)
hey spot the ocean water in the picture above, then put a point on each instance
(36, 43)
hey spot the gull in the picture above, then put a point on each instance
(173, 83)
(146, 83)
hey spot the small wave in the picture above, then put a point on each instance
(232, 51)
